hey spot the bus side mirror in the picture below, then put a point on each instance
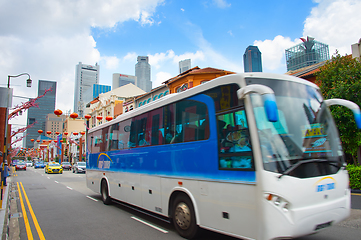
(268, 96)
(346, 103)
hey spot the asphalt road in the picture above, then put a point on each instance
(66, 209)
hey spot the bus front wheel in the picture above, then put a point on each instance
(105, 193)
(184, 218)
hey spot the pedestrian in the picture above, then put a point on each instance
(4, 173)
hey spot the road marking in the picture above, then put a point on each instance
(56, 181)
(92, 198)
(150, 225)
(26, 220)
(357, 194)
(48, 177)
(38, 229)
(69, 188)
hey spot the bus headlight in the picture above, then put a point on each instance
(278, 201)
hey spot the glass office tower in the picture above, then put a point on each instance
(252, 59)
(38, 115)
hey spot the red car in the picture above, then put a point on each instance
(20, 166)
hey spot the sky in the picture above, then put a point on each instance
(48, 38)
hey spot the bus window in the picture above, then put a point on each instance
(113, 137)
(123, 134)
(235, 151)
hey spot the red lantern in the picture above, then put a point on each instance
(55, 141)
(32, 140)
(75, 133)
(74, 115)
(49, 141)
(109, 118)
(44, 141)
(40, 131)
(82, 133)
(99, 118)
(48, 132)
(38, 140)
(87, 117)
(58, 112)
(65, 133)
(61, 140)
(57, 133)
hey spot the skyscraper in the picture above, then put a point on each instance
(122, 80)
(184, 65)
(38, 115)
(252, 59)
(86, 76)
(142, 72)
(305, 54)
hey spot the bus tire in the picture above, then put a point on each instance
(105, 193)
(184, 218)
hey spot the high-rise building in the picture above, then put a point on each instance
(86, 76)
(120, 80)
(305, 54)
(184, 65)
(252, 59)
(94, 92)
(54, 123)
(38, 115)
(142, 72)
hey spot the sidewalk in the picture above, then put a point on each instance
(4, 210)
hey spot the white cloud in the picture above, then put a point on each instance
(182, 9)
(221, 3)
(48, 38)
(336, 23)
(273, 53)
(160, 78)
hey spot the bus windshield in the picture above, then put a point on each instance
(304, 142)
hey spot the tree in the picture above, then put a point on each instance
(341, 78)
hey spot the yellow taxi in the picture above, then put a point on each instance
(53, 167)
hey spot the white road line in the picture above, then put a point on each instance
(56, 181)
(92, 198)
(150, 225)
(69, 188)
(48, 177)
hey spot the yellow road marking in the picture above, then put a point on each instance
(357, 194)
(26, 220)
(38, 229)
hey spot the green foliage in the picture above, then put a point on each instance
(355, 176)
(341, 78)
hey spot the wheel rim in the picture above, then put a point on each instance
(182, 215)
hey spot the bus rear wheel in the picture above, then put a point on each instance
(184, 218)
(105, 193)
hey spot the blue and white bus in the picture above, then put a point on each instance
(254, 156)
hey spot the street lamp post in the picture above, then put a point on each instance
(28, 84)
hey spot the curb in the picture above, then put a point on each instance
(4, 211)
(355, 191)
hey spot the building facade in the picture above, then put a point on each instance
(252, 59)
(94, 91)
(142, 72)
(120, 80)
(54, 123)
(107, 104)
(184, 65)
(38, 115)
(305, 54)
(85, 76)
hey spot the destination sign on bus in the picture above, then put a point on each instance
(316, 130)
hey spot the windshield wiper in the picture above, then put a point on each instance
(293, 167)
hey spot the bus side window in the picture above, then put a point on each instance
(235, 151)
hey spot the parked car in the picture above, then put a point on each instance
(79, 167)
(20, 166)
(39, 165)
(53, 167)
(66, 165)
(29, 163)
